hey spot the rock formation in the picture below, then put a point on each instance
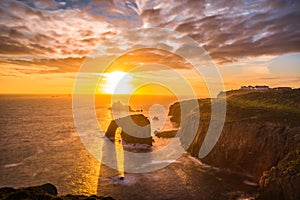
(282, 181)
(46, 191)
(140, 133)
(118, 106)
(260, 137)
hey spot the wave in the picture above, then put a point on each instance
(13, 164)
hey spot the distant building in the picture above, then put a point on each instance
(262, 87)
(249, 87)
(282, 88)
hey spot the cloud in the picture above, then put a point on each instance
(229, 30)
(42, 65)
(54, 33)
(232, 30)
(279, 81)
(259, 70)
(140, 57)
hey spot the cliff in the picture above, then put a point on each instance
(282, 181)
(135, 129)
(249, 146)
(261, 129)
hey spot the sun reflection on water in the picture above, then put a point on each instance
(119, 152)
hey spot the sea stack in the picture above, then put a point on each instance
(139, 133)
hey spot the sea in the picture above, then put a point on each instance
(39, 144)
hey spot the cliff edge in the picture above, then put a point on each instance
(261, 130)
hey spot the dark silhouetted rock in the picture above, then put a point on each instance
(155, 118)
(133, 131)
(42, 192)
(118, 106)
(282, 181)
(166, 134)
(47, 188)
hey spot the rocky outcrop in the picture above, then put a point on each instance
(260, 137)
(180, 110)
(47, 191)
(118, 106)
(282, 181)
(137, 133)
(249, 146)
(261, 128)
(174, 112)
(166, 134)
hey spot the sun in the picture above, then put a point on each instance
(116, 82)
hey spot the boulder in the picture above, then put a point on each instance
(41, 192)
(46, 191)
(282, 181)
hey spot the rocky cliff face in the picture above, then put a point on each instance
(282, 181)
(135, 129)
(260, 134)
(249, 146)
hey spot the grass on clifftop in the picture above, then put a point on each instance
(285, 100)
(281, 106)
(271, 105)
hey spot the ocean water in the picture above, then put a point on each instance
(39, 144)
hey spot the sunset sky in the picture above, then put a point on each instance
(44, 43)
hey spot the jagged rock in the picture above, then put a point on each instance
(125, 123)
(118, 106)
(282, 181)
(44, 192)
(155, 118)
(260, 129)
(41, 191)
(249, 147)
(166, 134)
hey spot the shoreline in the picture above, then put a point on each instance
(46, 191)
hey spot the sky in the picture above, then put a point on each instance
(44, 43)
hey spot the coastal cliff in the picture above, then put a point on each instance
(249, 146)
(261, 130)
(282, 181)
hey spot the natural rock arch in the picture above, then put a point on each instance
(139, 120)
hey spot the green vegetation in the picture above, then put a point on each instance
(287, 101)
(271, 105)
(291, 161)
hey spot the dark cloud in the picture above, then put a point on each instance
(26, 29)
(231, 30)
(228, 30)
(43, 66)
(12, 47)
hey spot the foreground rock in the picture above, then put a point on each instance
(166, 134)
(282, 181)
(136, 129)
(46, 191)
